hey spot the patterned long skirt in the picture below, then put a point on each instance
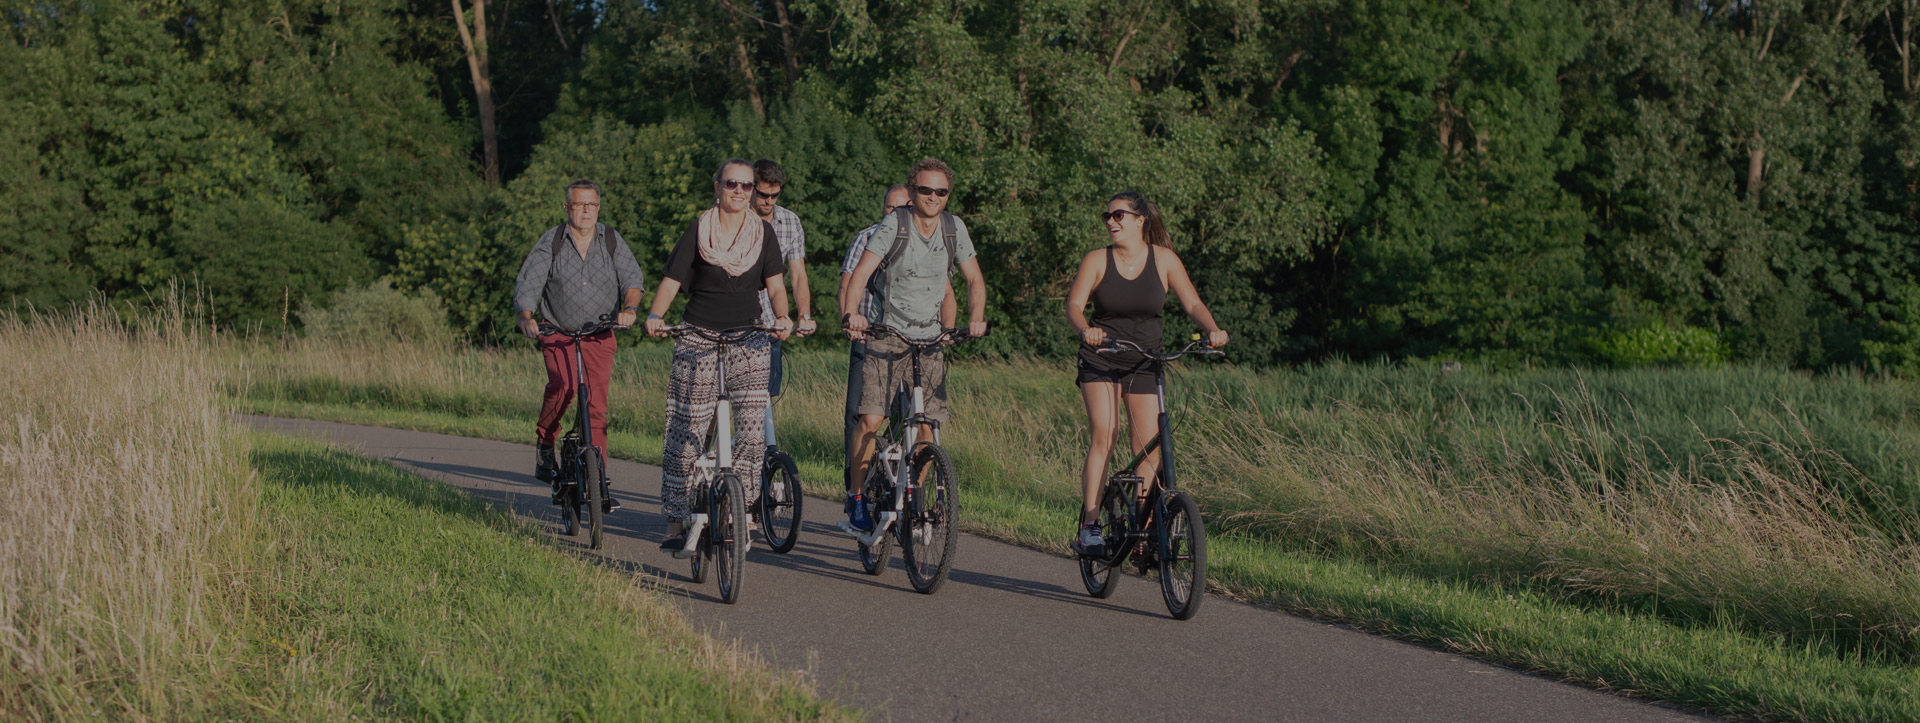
(693, 393)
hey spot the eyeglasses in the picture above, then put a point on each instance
(931, 191)
(1119, 214)
(584, 206)
(733, 185)
(775, 196)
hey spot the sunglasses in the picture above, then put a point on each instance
(584, 206)
(1119, 214)
(931, 191)
(775, 196)
(733, 185)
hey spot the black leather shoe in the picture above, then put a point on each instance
(544, 467)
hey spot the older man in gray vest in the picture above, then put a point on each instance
(576, 273)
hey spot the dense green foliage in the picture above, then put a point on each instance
(1507, 181)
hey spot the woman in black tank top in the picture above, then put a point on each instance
(1127, 283)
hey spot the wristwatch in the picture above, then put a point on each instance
(630, 307)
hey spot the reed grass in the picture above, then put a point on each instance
(123, 519)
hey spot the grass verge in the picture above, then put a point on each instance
(397, 596)
(1717, 665)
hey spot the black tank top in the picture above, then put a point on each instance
(1128, 309)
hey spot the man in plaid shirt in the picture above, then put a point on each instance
(895, 197)
(577, 272)
(769, 181)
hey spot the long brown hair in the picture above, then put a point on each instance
(1156, 229)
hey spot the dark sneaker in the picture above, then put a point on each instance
(607, 501)
(859, 518)
(544, 466)
(1088, 542)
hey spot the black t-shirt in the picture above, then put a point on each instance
(714, 299)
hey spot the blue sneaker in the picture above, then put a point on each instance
(859, 518)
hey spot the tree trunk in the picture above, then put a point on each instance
(553, 13)
(786, 42)
(744, 59)
(475, 41)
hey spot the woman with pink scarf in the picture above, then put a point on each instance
(723, 261)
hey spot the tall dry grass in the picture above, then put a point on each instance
(125, 501)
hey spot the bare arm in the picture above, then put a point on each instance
(1083, 283)
(802, 293)
(857, 293)
(777, 295)
(976, 297)
(949, 307)
(662, 299)
(1182, 287)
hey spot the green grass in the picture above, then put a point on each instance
(1734, 540)
(383, 594)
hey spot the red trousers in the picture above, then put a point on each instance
(597, 353)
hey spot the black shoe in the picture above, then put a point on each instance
(544, 466)
(607, 502)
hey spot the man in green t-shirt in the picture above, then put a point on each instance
(912, 288)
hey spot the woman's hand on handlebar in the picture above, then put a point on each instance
(977, 329)
(656, 326)
(1094, 336)
(1216, 339)
(782, 328)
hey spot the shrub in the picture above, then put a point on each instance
(1898, 349)
(378, 312)
(1662, 344)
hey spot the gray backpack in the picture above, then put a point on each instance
(903, 218)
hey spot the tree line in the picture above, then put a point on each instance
(1606, 182)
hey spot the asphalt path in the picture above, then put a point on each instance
(1012, 635)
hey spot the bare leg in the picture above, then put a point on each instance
(863, 449)
(1102, 399)
(1143, 424)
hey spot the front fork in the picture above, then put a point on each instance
(718, 456)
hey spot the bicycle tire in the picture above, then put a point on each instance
(569, 511)
(1183, 556)
(932, 513)
(590, 489)
(701, 550)
(1101, 576)
(780, 513)
(728, 535)
(874, 559)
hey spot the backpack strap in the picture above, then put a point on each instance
(947, 230)
(902, 218)
(560, 234)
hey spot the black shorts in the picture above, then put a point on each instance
(1132, 379)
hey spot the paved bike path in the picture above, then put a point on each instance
(1012, 635)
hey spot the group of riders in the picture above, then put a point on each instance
(734, 263)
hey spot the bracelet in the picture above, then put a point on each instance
(653, 316)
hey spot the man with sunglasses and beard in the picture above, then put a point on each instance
(923, 246)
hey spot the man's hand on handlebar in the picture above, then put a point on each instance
(528, 327)
(856, 327)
